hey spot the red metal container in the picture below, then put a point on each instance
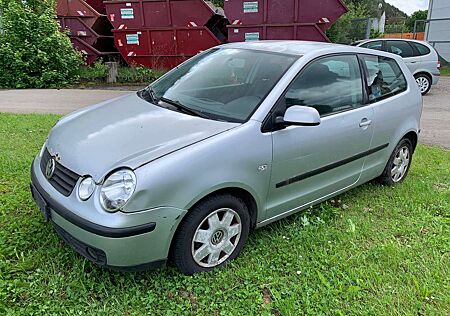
(89, 31)
(258, 12)
(163, 48)
(76, 8)
(90, 53)
(158, 13)
(98, 5)
(305, 31)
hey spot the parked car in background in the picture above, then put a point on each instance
(233, 139)
(420, 57)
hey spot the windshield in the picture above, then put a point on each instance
(220, 84)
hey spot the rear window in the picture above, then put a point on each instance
(378, 45)
(384, 78)
(422, 49)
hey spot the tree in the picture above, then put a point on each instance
(351, 26)
(33, 52)
(417, 16)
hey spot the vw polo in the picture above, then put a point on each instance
(231, 140)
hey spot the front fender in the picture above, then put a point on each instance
(231, 159)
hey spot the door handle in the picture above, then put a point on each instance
(365, 123)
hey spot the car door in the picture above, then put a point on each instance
(406, 51)
(312, 162)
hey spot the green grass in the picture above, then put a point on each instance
(371, 251)
(445, 71)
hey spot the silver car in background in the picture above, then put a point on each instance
(420, 57)
(235, 138)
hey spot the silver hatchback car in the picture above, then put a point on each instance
(420, 57)
(233, 139)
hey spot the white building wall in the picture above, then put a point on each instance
(438, 31)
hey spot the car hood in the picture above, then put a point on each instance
(125, 132)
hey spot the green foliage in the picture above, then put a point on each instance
(95, 73)
(33, 52)
(98, 72)
(138, 75)
(371, 251)
(347, 29)
(396, 28)
(218, 3)
(416, 16)
(375, 34)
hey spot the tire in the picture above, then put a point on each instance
(217, 242)
(424, 82)
(401, 159)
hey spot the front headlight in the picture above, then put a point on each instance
(117, 190)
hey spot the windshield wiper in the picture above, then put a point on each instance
(184, 108)
(148, 94)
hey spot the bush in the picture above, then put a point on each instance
(95, 73)
(33, 52)
(126, 75)
(138, 75)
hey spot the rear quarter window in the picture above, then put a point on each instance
(384, 77)
(422, 49)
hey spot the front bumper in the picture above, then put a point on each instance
(136, 241)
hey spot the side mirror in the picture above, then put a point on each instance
(298, 115)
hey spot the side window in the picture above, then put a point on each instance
(330, 85)
(377, 45)
(422, 49)
(400, 48)
(384, 78)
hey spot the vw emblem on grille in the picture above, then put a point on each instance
(50, 168)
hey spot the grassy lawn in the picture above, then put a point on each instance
(371, 251)
(445, 71)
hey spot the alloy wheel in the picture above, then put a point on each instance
(423, 84)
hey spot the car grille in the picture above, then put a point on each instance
(63, 179)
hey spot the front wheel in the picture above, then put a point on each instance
(424, 83)
(211, 234)
(398, 165)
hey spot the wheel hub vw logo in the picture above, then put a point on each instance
(217, 237)
(50, 168)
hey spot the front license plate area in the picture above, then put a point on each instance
(41, 203)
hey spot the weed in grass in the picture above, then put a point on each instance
(371, 251)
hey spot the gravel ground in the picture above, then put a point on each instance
(435, 119)
(436, 115)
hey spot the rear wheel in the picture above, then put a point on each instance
(211, 234)
(424, 83)
(398, 165)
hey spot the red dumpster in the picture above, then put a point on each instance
(305, 31)
(89, 31)
(163, 48)
(284, 11)
(282, 19)
(90, 53)
(75, 8)
(158, 13)
(98, 5)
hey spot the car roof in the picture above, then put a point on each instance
(391, 39)
(288, 47)
(307, 49)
